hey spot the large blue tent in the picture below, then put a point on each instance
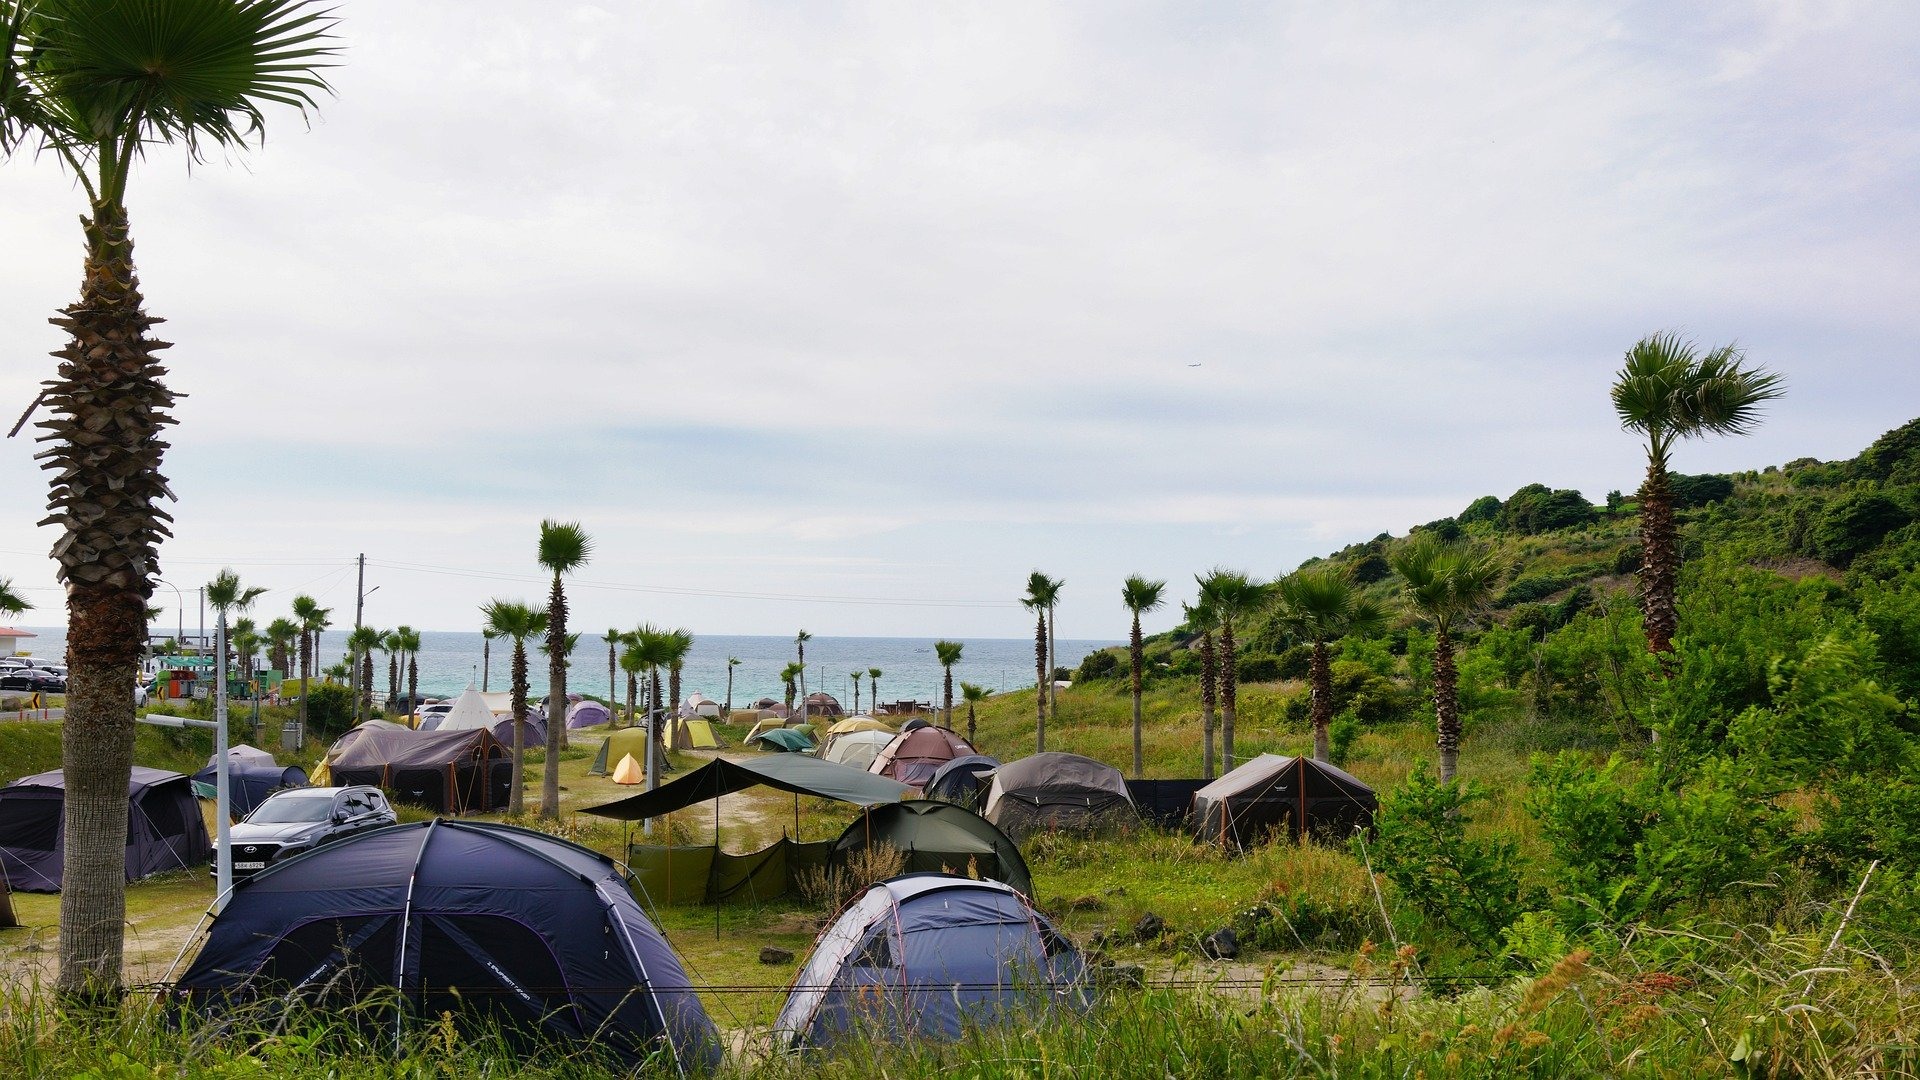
(493, 924)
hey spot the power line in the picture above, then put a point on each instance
(670, 590)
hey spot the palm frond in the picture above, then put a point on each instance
(564, 546)
(1141, 595)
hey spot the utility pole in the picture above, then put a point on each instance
(201, 645)
(360, 592)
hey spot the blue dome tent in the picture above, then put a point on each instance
(493, 924)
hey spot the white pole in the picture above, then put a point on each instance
(223, 849)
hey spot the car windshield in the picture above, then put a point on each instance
(282, 811)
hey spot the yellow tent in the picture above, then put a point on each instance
(857, 723)
(620, 743)
(628, 771)
(695, 735)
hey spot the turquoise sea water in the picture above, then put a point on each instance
(449, 660)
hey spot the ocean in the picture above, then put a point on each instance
(450, 660)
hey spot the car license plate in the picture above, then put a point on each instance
(250, 866)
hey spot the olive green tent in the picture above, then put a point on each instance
(619, 743)
(937, 836)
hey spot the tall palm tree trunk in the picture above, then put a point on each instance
(633, 689)
(1229, 692)
(486, 662)
(1207, 675)
(1136, 653)
(1446, 703)
(970, 741)
(517, 792)
(1660, 571)
(949, 689)
(556, 699)
(729, 715)
(306, 679)
(413, 682)
(393, 680)
(1053, 661)
(366, 683)
(109, 409)
(1320, 679)
(1040, 684)
(656, 749)
(673, 688)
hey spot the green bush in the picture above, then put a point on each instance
(1486, 508)
(1253, 669)
(1537, 508)
(1460, 886)
(329, 711)
(1691, 491)
(1104, 664)
(1852, 526)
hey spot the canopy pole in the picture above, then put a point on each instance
(796, 817)
(716, 858)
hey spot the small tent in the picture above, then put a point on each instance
(963, 779)
(1055, 791)
(937, 836)
(766, 723)
(628, 772)
(696, 734)
(587, 714)
(855, 750)
(505, 929)
(915, 724)
(858, 723)
(913, 756)
(765, 703)
(164, 828)
(930, 955)
(782, 740)
(619, 743)
(244, 756)
(469, 713)
(700, 706)
(532, 733)
(248, 785)
(1274, 794)
(453, 772)
(821, 703)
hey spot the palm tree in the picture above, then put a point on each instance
(631, 662)
(227, 595)
(1046, 591)
(613, 639)
(360, 645)
(1041, 593)
(732, 662)
(309, 618)
(244, 638)
(564, 548)
(410, 645)
(973, 695)
(1233, 596)
(95, 86)
(855, 677)
(873, 687)
(679, 645)
(486, 656)
(948, 653)
(280, 635)
(393, 645)
(1445, 584)
(790, 676)
(517, 622)
(1667, 391)
(1140, 596)
(1200, 616)
(800, 650)
(653, 649)
(1320, 604)
(12, 603)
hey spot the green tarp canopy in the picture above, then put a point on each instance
(797, 773)
(707, 875)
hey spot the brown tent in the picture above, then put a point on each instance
(449, 771)
(824, 704)
(914, 756)
(1273, 795)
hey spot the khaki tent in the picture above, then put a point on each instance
(694, 734)
(449, 771)
(620, 743)
(628, 771)
(1274, 795)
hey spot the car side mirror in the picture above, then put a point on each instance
(339, 817)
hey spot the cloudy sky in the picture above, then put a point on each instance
(846, 317)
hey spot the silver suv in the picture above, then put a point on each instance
(300, 819)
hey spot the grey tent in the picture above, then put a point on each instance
(855, 749)
(453, 772)
(1274, 794)
(515, 934)
(1056, 791)
(937, 836)
(164, 828)
(963, 779)
(248, 786)
(798, 773)
(930, 955)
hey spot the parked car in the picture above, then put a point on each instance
(301, 819)
(32, 680)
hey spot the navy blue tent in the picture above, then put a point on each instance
(164, 828)
(962, 779)
(248, 785)
(494, 924)
(930, 954)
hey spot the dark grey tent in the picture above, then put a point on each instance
(1166, 803)
(1056, 791)
(454, 772)
(164, 828)
(963, 779)
(499, 926)
(937, 836)
(797, 773)
(1273, 794)
(930, 955)
(248, 785)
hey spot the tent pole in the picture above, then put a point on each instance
(796, 817)
(716, 858)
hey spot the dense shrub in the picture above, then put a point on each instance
(1485, 508)
(1537, 508)
(1691, 491)
(1466, 887)
(329, 710)
(1853, 525)
(1254, 669)
(1104, 664)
